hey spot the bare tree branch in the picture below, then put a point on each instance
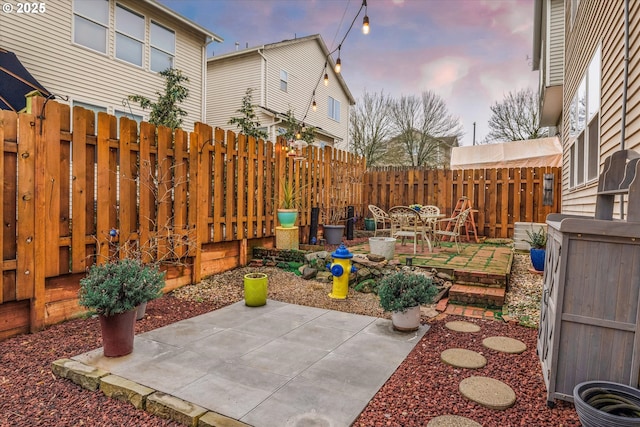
(515, 118)
(421, 123)
(371, 127)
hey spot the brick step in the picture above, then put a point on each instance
(479, 278)
(477, 295)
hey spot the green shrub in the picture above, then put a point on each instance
(119, 286)
(401, 291)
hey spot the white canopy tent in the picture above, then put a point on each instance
(528, 153)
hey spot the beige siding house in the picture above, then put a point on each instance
(95, 53)
(591, 80)
(282, 75)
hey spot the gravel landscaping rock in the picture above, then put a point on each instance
(421, 389)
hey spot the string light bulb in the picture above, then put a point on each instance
(326, 79)
(338, 62)
(313, 103)
(365, 25)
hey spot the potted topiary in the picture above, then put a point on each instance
(288, 211)
(538, 242)
(402, 293)
(113, 290)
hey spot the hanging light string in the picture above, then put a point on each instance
(365, 30)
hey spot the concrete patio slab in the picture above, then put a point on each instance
(275, 365)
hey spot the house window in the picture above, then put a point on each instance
(284, 80)
(91, 23)
(334, 109)
(163, 47)
(129, 35)
(584, 126)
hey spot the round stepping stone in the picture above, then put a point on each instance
(504, 344)
(452, 421)
(462, 358)
(490, 393)
(460, 326)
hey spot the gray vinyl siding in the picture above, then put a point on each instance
(601, 23)
(44, 44)
(303, 77)
(556, 43)
(229, 76)
(227, 82)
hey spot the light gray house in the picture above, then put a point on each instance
(97, 52)
(283, 75)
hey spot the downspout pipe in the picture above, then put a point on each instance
(625, 76)
(625, 83)
(203, 90)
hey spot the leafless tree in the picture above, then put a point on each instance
(420, 123)
(370, 126)
(515, 118)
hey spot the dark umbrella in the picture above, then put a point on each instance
(15, 82)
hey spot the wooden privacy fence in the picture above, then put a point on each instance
(501, 197)
(206, 198)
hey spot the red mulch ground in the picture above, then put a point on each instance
(421, 388)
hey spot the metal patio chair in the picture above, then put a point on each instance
(380, 216)
(457, 222)
(406, 222)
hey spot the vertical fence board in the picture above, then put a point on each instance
(147, 190)
(252, 190)
(127, 219)
(105, 196)
(180, 216)
(241, 189)
(218, 186)
(26, 207)
(165, 182)
(260, 197)
(65, 189)
(504, 202)
(79, 188)
(51, 134)
(230, 162)
(9, 126)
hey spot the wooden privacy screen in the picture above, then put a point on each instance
(502, 197)
(70, 197)
(70, 193)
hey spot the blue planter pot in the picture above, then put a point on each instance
(537, 259)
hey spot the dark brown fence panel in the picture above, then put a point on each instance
(501, 197)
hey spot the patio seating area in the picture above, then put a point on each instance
(480, 271)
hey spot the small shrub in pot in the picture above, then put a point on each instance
(118, 286)
(400, 291)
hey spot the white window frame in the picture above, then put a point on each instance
(103, 25)
(284, 80)
(152, 46)
(584, 126)
(332, 112)
(127, 34)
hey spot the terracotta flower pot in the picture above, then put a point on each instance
(117, 333)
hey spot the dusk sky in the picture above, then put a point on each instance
(470, 52)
